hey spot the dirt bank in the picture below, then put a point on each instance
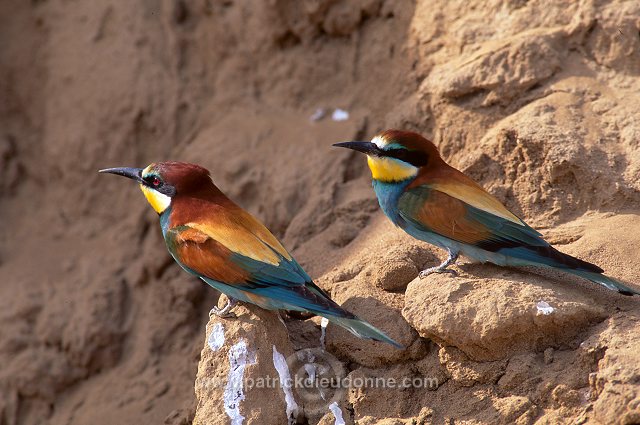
(535, 100)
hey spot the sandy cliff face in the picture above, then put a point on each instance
(535, 100)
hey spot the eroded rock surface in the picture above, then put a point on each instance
(493, 317)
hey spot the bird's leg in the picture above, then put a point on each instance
(442, 268)
(226, 310)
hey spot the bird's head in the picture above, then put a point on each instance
(161, 182)
(395, 155)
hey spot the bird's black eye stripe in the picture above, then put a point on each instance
(156, 183)
(415, 158)
(168, 190)
(153, 181)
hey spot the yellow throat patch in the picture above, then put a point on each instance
(390, 169)
(158, 201)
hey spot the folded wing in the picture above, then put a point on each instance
(467, 214)
(238, 251)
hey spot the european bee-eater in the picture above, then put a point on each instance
(211, 237)
(434, 202)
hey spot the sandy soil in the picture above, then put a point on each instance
(537, 101)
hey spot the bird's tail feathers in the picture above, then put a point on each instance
(606, 281)
(311, 298)
(363, 329)
(551, 257)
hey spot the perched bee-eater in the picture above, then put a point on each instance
(211, 237)
(434, 202)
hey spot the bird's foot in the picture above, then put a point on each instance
(442, 268)
(224, 312)
(426, 272)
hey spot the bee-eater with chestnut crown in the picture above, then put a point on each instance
(214, 239)
(434, 202)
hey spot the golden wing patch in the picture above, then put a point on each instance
(477, 197)
(244, 235)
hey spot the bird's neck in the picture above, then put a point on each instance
(388, 194)
(195, 208)
(164, 220)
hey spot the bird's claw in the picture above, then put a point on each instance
(225, 312)
(442, 268)
(427, 272)
(215, 311)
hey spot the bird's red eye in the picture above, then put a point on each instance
(155, 182)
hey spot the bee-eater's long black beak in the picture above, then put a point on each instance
(364, 147)
(132, 173)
